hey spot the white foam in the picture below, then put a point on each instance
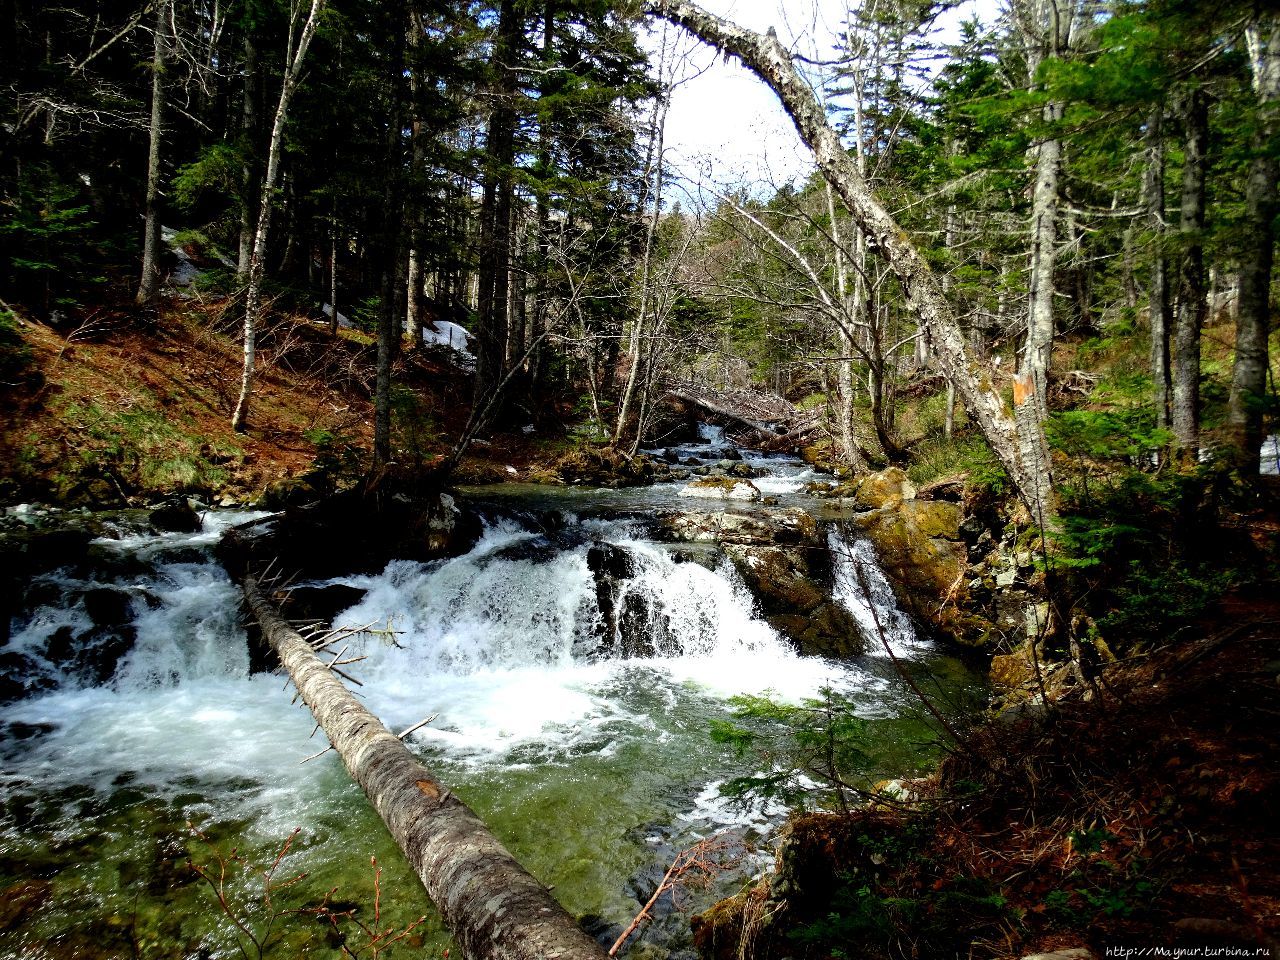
(864, 590)
(504, 648)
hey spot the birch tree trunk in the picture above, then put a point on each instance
(1253, 321)
(845, 347)
(416, 279)
(1192, 302)
(249, 134)
(257, 259)
(654, 169)
(151, 237)
(1046, 29)
(769, 60)
(492, 906)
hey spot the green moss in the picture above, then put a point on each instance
(142, 448)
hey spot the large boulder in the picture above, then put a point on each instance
(350, 533)
(322, 601)
(782, 557)
(625, 617)
(796, 599)
(885, 489)
(782, 527)
(176, 515)
(921, 551)
(721, 488)
(605, 467)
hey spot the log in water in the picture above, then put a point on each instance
(494, 908)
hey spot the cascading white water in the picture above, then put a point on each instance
(570, 748)
(709, 433)
(862, 587)
(504, 646)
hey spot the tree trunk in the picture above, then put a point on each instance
(1034, 368)
(769, 60)
(653, 197)
(416, 280)
(151, 238)
(249, 133)
(1161, 308)
(1253, 318)
(392, 305)
(493, 907)
(495, 213)
(333, 274)
(845, 379)
(1192, 304)
(257, 259)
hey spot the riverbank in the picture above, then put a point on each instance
(1141, 815)
(132, 408)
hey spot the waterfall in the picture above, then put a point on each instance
(508, 644)
(572, 677)
(862, 587)
(711, 434)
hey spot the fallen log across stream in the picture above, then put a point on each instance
(493, 907)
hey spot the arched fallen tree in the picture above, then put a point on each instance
(1017, 441)
(494, 908)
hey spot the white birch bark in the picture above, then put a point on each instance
(151, 238)
(257, 259)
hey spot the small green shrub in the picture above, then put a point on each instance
(821, 738)
(338, 463)
(1139, 543)
(413, 428)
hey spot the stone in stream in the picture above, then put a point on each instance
(175, 515)
(626, 618)
(92, 655)
(108, 606)
(322, 601)
(796, 599)
(922, 552)
(782, 557)
(20, 677)
(722, 488)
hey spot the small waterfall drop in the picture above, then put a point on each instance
(862, 587)
(573, 677)
(508, 643)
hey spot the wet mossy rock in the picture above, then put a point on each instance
(349, 532)
(721, 487)
(921, 551)
(175, 515)
(796, 599)
(775, 528)
(782, 557)
(885, 489)
(605, 467)
(290, 492)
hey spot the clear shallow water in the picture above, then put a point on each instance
(591, 767)
(784, 477)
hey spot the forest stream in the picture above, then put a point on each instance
(593, 762)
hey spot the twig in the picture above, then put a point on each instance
(315, 755)
(417, 726)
